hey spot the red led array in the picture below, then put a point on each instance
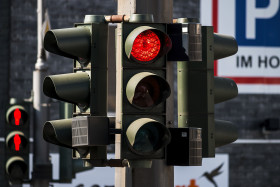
(17, 116)
(146, 46)
(17, 142)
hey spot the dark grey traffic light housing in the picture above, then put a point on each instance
(199, 90)
(85, 88)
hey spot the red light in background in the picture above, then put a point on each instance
(146, 46)
(17, 142)
(17, 116)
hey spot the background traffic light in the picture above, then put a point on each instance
(85, 88)
(144, 90)
(17, 141)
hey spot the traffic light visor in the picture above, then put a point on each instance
(58, 132)
(224, 46)
(225, 133)
(16, 167)
(71, 87)
(72, 43)
(16, 115)
(146, 90)
(146, 44)
(147, 136)
(225, 89)
(16, 141)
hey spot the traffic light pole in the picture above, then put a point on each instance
(160, 175)
(41, 161)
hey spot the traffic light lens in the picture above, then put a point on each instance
(147, 139)
(16, 167)
(17, 116)
(17, 142)
(146, 46)
(150, 91)
(147, 136)
(147, 93)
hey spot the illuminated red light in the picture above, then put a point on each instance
(17, 142)
(146, 46)
(17, 116)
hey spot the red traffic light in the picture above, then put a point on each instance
(17, 116)
(17, 142)
(146, 46)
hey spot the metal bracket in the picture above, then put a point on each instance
(90, 131)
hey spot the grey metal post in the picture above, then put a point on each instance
(159, 175)
(41, 160)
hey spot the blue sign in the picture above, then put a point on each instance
(258, 23)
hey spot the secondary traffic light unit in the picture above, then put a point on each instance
(85, 88)
(17, 142)
(199, 90)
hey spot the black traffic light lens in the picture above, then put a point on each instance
(146, 94)
(150, 91)
(16, 167)
(18, 170)
(147, 139)
(146, 136)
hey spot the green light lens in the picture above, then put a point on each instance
(147, 139)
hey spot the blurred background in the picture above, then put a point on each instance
(253, 160)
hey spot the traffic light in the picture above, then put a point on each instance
(17, 142)
(141, 74)
(199, 90)
(85, 88)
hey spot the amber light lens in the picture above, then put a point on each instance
(147, 93)
(146, 46)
